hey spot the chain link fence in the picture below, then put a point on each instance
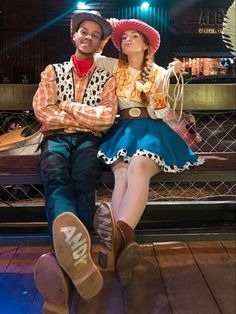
(211, 132)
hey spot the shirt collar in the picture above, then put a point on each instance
(70, 66)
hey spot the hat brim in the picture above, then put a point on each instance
(151, 33)
(79, 17)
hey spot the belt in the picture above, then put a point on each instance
(134, 113)
(61, 131)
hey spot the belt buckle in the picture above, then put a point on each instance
(135, 112)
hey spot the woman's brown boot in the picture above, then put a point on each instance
(118, 250)
(129, 255)
(105, 226)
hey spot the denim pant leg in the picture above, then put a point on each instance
(86, 172)
(55, 171)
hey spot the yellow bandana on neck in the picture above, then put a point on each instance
(143, 87)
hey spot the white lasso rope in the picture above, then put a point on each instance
(178, 91)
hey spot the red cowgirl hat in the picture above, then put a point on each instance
(152, 35)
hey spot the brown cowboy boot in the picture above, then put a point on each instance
(72, 245)
(53, 284)
(118, 250)
(130, 254)
(105, 226)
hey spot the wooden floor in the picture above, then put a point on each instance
(176, 277)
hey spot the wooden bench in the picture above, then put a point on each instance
(218, 167)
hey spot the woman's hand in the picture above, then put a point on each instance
(113, 21)
(176, 66)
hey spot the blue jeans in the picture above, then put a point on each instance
(70, 172)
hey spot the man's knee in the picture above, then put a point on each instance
(88, 170)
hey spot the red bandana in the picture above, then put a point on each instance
(82, 66)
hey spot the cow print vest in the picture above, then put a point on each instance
(93, 91)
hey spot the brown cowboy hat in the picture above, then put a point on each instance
(79, 16)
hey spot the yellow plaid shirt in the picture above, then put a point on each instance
(74, 116)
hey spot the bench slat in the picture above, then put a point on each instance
(218, 167)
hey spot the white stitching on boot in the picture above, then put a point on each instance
(77, 244)
(103, 229)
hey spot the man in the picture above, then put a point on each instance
(75, 103)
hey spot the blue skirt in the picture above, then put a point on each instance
(150, 138)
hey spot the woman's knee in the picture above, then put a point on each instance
(120, 173)
(142, 166)
(119, 168)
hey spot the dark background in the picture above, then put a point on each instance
(34, 33)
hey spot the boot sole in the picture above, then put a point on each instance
(72, 247)
(106, 257)
(52, 285)
(129, 257)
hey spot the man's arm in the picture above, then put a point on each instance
(45, 104)
(98, 118)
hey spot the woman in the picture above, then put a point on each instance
(139, 146)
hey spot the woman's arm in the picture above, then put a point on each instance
(106, 63)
